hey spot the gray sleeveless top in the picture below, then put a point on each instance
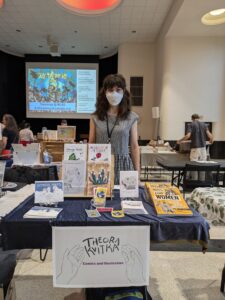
(120, 135)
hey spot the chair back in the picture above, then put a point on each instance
(210, 172)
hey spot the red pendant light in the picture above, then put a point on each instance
(1, 3)
(89, 7)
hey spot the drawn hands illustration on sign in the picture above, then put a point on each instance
(71, 262)
(133, 262)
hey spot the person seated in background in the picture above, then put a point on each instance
(63, 122)
(26, 135)
(9, 134)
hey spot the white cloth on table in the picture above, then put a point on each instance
(12, 199)
(210, 202)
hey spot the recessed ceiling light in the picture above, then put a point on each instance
(75, 31)
(18, 30)
(73, 47)
(89, 7)
(217, 12)
(106, 47)
(133, 31)
(7, 46)
(40, 46)
(214, 17)
(1, 3)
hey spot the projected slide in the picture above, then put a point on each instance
(56, 90)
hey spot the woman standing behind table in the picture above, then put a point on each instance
(10, 132)
(114, 122)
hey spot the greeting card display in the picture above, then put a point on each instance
(129, 184)
(167, 200)
(99, 153)
(75, 152)
(98, 175)
(48, 192)
(26, 155)
(74, 177)
(66, 133)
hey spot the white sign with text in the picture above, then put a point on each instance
(101, 256)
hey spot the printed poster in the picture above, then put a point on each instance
(100, 256)
(66, 133)
(48, 192)
(99, 153)
(74, 177)
(98, 175)
(26, 155)
(75, 152)
(129, 184)
(50, 135)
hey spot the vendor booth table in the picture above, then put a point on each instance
(30, 174)
(210, 202)
(20, 233)
(149, 157)
(177, 168)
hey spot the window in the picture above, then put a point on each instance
(136, 89)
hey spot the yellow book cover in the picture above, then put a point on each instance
(167, 199)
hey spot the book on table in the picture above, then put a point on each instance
(167, 199)
(132, 207)
(41, 212)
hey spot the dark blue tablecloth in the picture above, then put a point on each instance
(19, 233)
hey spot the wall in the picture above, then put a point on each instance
(138, 60)
(12, 85)
(193, 81)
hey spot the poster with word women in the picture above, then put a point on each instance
(100, 256)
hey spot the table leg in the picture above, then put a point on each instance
(42, 258)
(222, 280)
(172, 179)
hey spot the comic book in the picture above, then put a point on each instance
(167, 199)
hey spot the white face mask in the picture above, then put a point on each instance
(114, 98)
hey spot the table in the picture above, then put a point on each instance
(149, 155)
(19, 233)
(30, 174)
(179, 166)
(210, 202)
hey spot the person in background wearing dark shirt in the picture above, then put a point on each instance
(10, 132)
(197, 132)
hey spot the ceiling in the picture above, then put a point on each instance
(188, 19)
(25, 25)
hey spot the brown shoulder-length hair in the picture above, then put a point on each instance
(102, 104)
(10, 123)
